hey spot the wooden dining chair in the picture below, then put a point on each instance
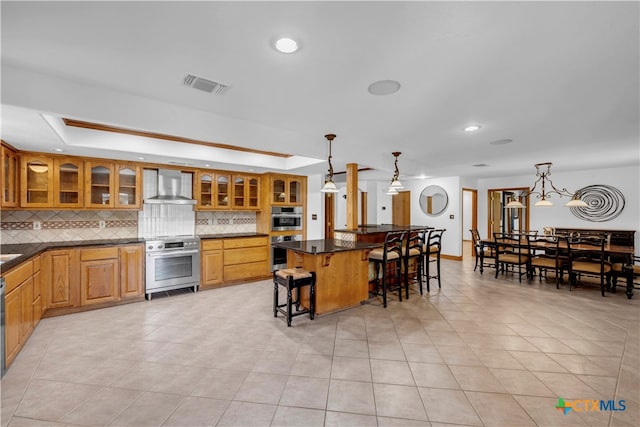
(389, 256)
(587, 257)
(545, 256)
(484, 253)
(511, 250)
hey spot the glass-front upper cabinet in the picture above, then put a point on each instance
(239, 185)
(127, 183)
(253, 193)
(279, 194)
(286, 190)
(204, 190)
(221, 200)
(99, 192)
(295, 191)
(67, 183)
(36, 182)
(10, 170)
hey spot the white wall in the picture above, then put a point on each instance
(315, 206)
(467, 213)
(625, 179)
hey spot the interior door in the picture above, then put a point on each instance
(401, 208)
(329, 215)
(506, 220)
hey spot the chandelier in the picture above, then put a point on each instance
(329, 185)
(395, 181)
(543, 171)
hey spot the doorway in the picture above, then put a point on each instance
(401, 208)
(469, 220)
(503, 219)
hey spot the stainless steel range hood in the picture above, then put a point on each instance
(169, 184)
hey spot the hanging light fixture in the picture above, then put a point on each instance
(329, 185)
(395, 181)
(543, 171)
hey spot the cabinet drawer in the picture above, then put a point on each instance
(211, 244)
(246, 271)
(243, 256)
(18, 275)
(98, 253)
(245, 242)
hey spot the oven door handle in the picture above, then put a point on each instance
(165, 254)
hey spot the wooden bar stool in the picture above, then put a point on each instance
(294, 278)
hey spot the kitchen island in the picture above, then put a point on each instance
(373, 233)
(342, 279)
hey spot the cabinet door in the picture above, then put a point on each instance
(253, 193)
(221, 200)
(26, 313)
(279, 191)
(98, 281)
(9, 176)
(295, 191)
(127, 187)
(212, 267)
(131, 274)
(59, 273)
(99, 185)
(13, 320)
(36, 182)
(204, 190)
(238, 189)
(37, 299)
(68, 183)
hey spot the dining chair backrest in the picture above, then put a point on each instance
(510, 243)
(434, 240)
(393, 242)
(587, 249)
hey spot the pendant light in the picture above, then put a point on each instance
(329, 185)
(395, 181)
(543, 171)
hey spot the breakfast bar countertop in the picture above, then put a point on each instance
(323, 246)
(382, 228)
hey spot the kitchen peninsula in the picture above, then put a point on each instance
(373, 233)
(341, 267)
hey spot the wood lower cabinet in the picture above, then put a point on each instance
(23, 305)
(225, 261)
(99, 275)
(211, 263)
(60, 272)
(131, 271)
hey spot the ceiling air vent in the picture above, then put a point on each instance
(203, 84)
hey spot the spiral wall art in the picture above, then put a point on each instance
(604, 203)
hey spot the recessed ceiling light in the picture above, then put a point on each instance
(59, 150)
(384, 87)
(472, 128)
(286, 45)
(501, 141)
(207, 165)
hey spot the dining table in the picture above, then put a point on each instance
(623, 252)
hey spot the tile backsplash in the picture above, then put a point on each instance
(17, 226)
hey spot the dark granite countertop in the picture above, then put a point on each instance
(382, 228)
(323, 246)
(230, 235)
(29, 250)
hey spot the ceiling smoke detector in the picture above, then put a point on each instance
(199, 83)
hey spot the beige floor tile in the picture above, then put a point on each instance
(260, 387)
(313, 345)
(351, 348)
(30, 422)
(446, 338)
(386, 350)
(550, 345)
(463, 356)
(537, 361)
(305, 392)
(275, 362)
(527, 330)
(542, 410)
(391, 372)
(50, 400)
(398, 401)
(340, 419)
(240, 414)
(102, 407)
(448, 406)
(497, 358)
(400, 422)
(587, 365)
(197, 411)
(567, 386)
(433, 375)
(515, 343)
(426, 353)
(294, 417)
(219, 384)
(521, 382)
(351, 396)
(349, 368)
(476, 378)
(150, 409)
(499, 409)
(312, 365)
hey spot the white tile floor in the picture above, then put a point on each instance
(481, 351)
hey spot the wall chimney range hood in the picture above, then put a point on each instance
(169, 184)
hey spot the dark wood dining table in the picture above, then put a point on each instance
(621, 251)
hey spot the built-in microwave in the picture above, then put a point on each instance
(285, 218)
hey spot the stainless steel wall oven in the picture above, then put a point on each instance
(172, 263)
(286, 218)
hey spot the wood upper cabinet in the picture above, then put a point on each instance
(36, 181)
(246, 192)
(59, 272)
(287, 190)
(99, 185)
(99, 275)
(68, 183)
(9, 172)
(222, 188)
(128, 183)
(204, 190)
(131, 271)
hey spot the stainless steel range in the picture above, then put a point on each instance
(172, 263)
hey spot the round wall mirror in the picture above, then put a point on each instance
(433, 200)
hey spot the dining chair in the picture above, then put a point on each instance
(485, 253)
(432, 249)
(587, 257)
(545, 255)
(389, 256)
(511, 250)
(618, 270)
